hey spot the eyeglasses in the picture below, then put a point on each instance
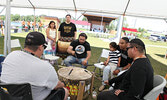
(44, 46)
(129, 47)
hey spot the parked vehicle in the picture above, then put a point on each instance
(155, 37)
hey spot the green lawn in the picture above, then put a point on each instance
(155, 54)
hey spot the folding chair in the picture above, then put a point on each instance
(15, 43)
(50, 55)
(104, 54)
(15, 91)
(158, 85)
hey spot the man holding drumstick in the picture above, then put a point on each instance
(80, 52)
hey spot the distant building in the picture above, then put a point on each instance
(81, 24)
(98, 22)
(46, 19)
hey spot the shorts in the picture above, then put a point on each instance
(58, 94)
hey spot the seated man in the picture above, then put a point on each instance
(138, 80)
(27, 67)
(124, 63)
(80, 52)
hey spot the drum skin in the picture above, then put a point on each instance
(63, 46)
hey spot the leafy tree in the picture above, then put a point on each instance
(84, 19)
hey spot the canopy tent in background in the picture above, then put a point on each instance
(138, 8)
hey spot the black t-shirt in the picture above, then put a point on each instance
(80, 49)
(67, 30)
(138, 81)
(124, 58)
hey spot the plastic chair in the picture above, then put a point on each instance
(15, 91)
(15, 43)
(158, 85)
(50, 54)
(99, 64)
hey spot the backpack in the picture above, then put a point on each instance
(163, 96)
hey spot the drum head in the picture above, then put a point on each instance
(75, 73)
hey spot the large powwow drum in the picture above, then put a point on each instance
(72, 75)
(63, 46)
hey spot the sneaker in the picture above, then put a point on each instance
(101, 88)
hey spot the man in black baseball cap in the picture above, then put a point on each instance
(26, 67)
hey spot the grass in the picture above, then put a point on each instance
(155, 54)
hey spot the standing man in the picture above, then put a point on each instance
(27, 67)
(138, 80)
(67, 30)
(80, 52)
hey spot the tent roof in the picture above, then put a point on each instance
(138, 8)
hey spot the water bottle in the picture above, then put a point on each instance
(94, 94)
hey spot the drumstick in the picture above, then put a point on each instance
(70, 72)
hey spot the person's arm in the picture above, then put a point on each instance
(59, 35)
(70, 50)
(106, 62)
(119, 61)
(87, 58)
(55, 35)
(136, 89)
(126, 67)
(48, 36)
(75, 35)
(59, 85)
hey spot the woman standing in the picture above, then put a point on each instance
(51, 35)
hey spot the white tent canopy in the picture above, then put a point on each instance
(138, 8)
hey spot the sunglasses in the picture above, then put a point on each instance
(129, 47)
(44, 46)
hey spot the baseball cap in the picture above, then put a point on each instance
(35, 38)
(138, 42)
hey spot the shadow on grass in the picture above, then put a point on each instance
(162, 56)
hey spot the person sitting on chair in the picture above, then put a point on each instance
(27, 67)
(80, 52)
(124, 63)
(138, 80)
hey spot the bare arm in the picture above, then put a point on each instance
(59, 35)
(119, 61)
(47, 34)
(88, 55)
(75, 35)
(127, 66)
(59, 85)
(55, 36)
(70, 51)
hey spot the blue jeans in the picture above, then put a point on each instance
(73, 60)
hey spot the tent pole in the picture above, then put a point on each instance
(2, 10)
(34, 21)
(119, 29)
(9, 27)
(101, 23)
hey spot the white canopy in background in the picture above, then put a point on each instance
(138, 8)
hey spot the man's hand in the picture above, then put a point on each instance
(115, 72)
(106, 82)
(73, 52)
(117, 92)
(84, 62)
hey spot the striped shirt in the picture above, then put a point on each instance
(114, 56)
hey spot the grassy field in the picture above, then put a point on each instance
(155, 54)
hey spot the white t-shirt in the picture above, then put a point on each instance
(21, 67)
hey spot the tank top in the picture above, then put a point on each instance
(52, 33)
